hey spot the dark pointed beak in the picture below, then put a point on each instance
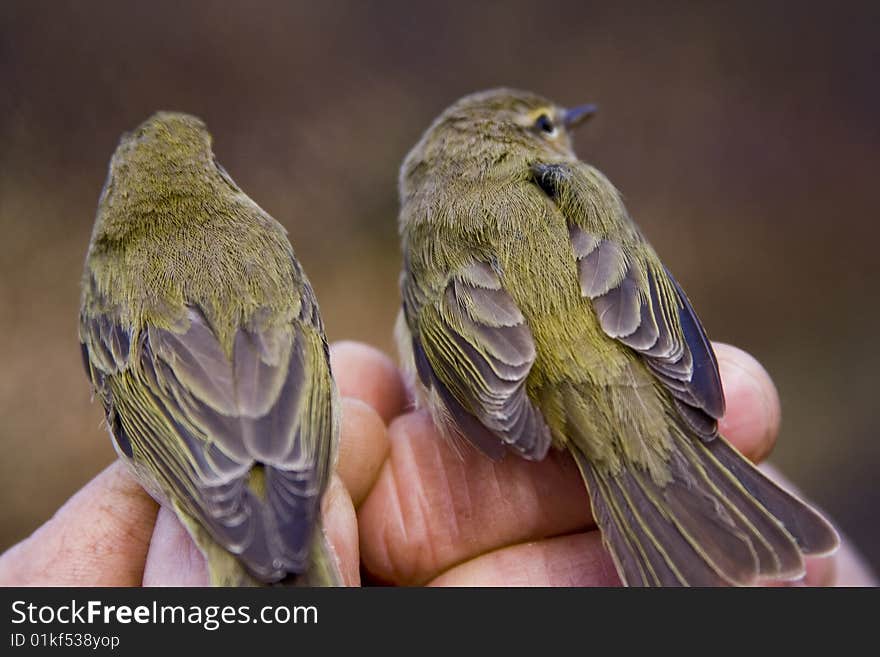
(576, 115)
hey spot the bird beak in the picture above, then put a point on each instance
(573, 117)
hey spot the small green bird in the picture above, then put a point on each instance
(535, 314)
(201, 337)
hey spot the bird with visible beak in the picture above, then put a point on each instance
(536, 315)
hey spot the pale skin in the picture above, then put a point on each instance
(407, 506)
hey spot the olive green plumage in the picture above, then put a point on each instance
(536, 314)
(202, 339)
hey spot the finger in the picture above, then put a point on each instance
(174, 559)
(98, 538)
(363, 446)
(821, 571)
(433, 507)
(341, 530)
(574, 560)
(753, 414)
(365, 373)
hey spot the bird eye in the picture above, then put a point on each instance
(544, 124)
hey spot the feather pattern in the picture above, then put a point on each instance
(709, 525)
(639, 303)
(476, 351)
(238, 443)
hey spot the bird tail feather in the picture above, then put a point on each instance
(717, 521)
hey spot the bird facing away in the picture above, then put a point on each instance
(535, 314)
(201, 337)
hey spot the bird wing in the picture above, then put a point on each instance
(636, 299)
(243, 442)
(472, 346)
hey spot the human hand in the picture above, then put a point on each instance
(439, 517)
(426, 513)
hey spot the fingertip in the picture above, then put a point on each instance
(820, 571)
(174, 559)
(366, 373)
(340, 528)
(753, 415)
(363, 446)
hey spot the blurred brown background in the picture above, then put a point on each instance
(745, 139)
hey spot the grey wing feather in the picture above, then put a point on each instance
(206, 423)
(639, 303)
(475, 349)
(660, 325)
